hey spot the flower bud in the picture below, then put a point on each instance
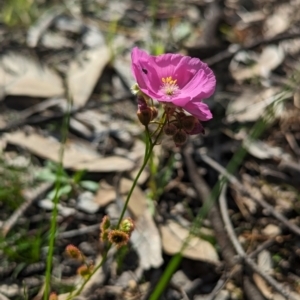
(188, 123)
(127, 225)
(104, 228)
(84, 270)
(170, 129)
(180, 137)
(135, 89)
(154, 112)
(118, 237)
(74, 252)
(53, 296)
(145, 115)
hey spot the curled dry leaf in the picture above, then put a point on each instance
(173, 236)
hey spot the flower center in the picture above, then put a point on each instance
(169, 86)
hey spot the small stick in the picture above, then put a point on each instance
(30, 197)
(239, 249)
(237, 184)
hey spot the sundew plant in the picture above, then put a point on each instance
(178, 84)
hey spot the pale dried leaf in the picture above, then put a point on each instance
(271, 230)
(84, 73)
(76, 155)
(173, 236)
(264, 261)
(270, 58)
(279, 21)
(250, 105)
(263, 286)
(138, 201)
(106, 194)
(36, 31)
(147, 242)
(23, 75)
(262, 150)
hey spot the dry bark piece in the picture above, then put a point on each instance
(173, 236)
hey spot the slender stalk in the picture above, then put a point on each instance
(148, 152)
(53, 225)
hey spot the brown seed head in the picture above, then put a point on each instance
(118, 237)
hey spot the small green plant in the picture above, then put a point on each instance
(13, 181)
(68, 184)
(22, 248)
(18, 12)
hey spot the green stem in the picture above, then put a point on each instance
(148, 151)
(78, 292)
(53, 225)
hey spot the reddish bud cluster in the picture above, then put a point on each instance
(180, 125)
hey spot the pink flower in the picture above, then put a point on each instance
(174, 78)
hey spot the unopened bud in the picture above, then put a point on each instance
(74, 252)
(180, 137)
(170, 129)
(135, 89)
(188, 123)
(53, 296)
(154, 112)
(127, 225)
(104, 228)
(145, 115)
(118, 237)
(84, 270)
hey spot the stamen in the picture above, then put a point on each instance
(169, 86)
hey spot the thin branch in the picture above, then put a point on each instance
(30, 197)
(238, 186)
(230, 52)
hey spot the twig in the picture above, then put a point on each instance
(262, 247)
(30, 197)
(239, 249)
(227, 250)
(229, 52)
(203, 191)
(60, 115)
(76, 232)
(237, 185)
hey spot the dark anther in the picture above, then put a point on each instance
(145, 71)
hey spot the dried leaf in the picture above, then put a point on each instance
(250, 105)
(270, 58)
(23, 75)
(84, 73)
(173, 235)
(147, 242)
(76, 157)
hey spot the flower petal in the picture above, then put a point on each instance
(199, 110)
